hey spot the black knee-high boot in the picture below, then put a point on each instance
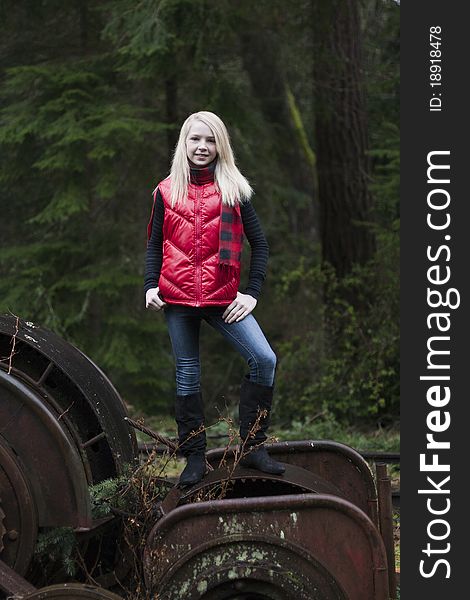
(254, 398)
(189, 413)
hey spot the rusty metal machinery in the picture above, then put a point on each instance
(316, 532)
(337, 464)
(62, 429)
(312, 533)
(294, 547)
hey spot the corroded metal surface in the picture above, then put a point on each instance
(59, 410)
(311, 533)
(72, 591)
(247, 483)
(13, 584)
(334, 462)
(384, 489)
(62, 429)
(18, 523)
(295, 544)
(76, 389)
(49, 459)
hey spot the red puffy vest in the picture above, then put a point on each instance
(191, 274)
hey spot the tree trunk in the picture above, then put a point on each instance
(341, 135)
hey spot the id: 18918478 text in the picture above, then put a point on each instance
(435, 68)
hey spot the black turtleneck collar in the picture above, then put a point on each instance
(202, 175)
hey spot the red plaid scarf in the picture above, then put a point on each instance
(230, 237)
(231, 225)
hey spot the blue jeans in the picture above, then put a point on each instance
(184, 324)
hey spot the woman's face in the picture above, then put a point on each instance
(200, 144)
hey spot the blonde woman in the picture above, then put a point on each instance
(200, 213)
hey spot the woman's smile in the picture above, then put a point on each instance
(200, 144)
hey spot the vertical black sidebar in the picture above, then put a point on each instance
(435, 257)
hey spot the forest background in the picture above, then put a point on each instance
(93, 94)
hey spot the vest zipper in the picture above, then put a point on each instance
(198, 247)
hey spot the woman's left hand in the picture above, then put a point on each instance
(239, 308)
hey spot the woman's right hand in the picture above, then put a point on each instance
(153, 299)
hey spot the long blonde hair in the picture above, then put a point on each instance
(233, 186)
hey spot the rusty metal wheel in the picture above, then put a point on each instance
(63, 428)
(18, 518)
(76, 393)
(72, 591)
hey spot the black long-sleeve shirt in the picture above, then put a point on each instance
(254, 235)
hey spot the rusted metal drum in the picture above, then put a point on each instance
(248, 483)
(311, 533)
(336, 463)
(62, 429)
(298, 547)
(76, 392)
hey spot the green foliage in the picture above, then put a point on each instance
(324, 426)
(73, 143)
(343, 351)
(340, 353)
(350, 365)
(57, 546)
(113, 493)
